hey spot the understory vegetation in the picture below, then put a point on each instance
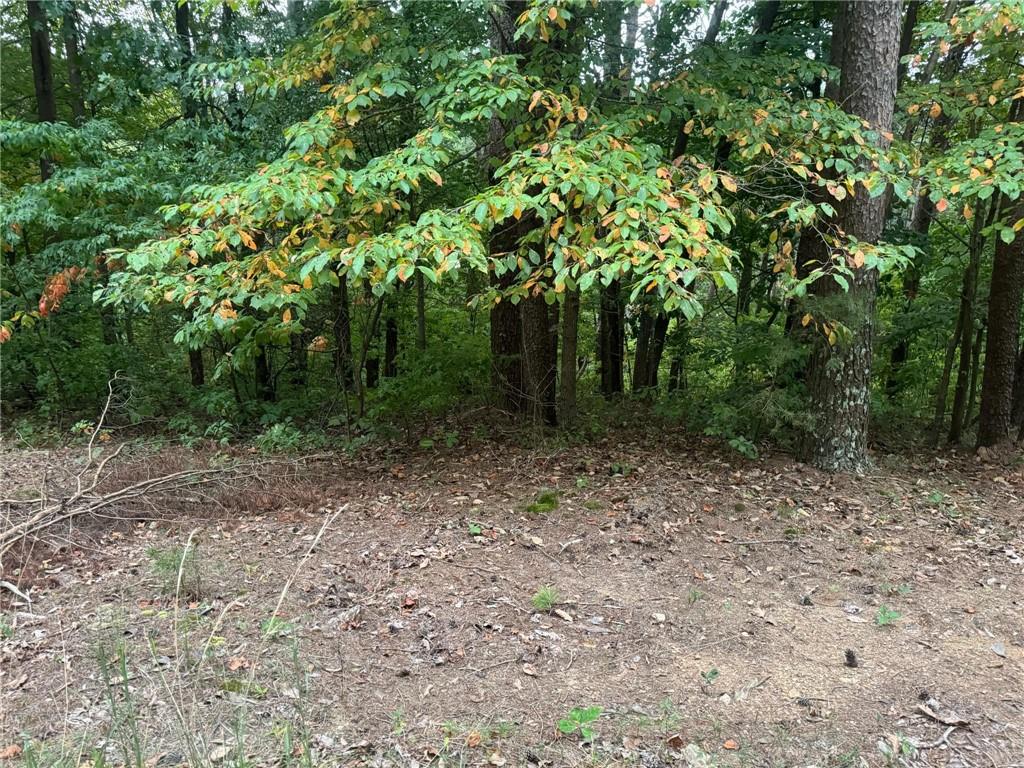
(316, 224)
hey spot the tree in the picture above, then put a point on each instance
(839, 375)
(1004, 312)
(42, 73)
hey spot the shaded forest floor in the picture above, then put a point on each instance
(705, 603)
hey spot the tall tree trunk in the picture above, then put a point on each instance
(539, 361)
(508, 379)
(197, 372)
(968, 299)
(391, 343)
(183, 31)
(1017, 411)
(650, 345)
(567, 405)
(342, 331)
(1004, 309)
(839, 378)
(975, 372)
(42, 73)
(72, 57)
(264, 377)
(942, 391)
(611, 331)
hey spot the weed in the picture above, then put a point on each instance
(710, 676)
(475, 529)
(579, 721)
(6, 629)
(398, 723)
(621, 469)
(243, 687)
(694, 596)
(275, 627)
(545, 599)
(178, 569)
(582, 482)
(886, 616)
(124, 716)
(593, 505)
(546, 501)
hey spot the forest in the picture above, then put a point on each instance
(527, 382)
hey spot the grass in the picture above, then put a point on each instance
(545, 599)
(546, 501)
(178, 569)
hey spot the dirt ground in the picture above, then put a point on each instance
(379, 611)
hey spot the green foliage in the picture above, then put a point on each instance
(887, 616)
(179, 570)
(580, 721)
(275, 627)
(546, 501)
(545, 599)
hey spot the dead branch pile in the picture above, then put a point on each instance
(98, 490)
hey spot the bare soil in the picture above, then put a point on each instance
(378, 612)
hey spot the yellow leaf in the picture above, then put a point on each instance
(935, 111)
(247, 239)
(805, 320)
(729, 183)
(942, 205)
(307, 283)
(581, 113)
(688, 127)
(968, 213)
(552, 13)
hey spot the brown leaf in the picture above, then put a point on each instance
(731, 744)
(10, 752)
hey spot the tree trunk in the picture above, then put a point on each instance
(539, 363)
(942, 392)
(391, 344)
(42, 73)
(567, 405)
(72, 57)
(183, 31)
(1017, 411)
(839, 378)
(611, 340)
(968, 299)
(264, 377)
(300, 358)
(975, 371)
(1004, 309)
(197, 371)
(342, 330)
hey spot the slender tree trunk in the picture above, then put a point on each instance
(72, 57)
(1004, 310)
(975, 372)
(42, 73)
(968, 299)
(342, 331)
(942, 392)
(264, 377)
(183, 31)
(611, 340)
(391, 344)
(196, 369)
(570, 338)
(300, 358)
(839, 378)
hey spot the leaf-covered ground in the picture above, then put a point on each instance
(711, 607)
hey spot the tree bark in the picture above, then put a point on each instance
(73, 59)
(42, 73)
(539, 361)
(183, 31)
(265, 389)
(611, 331)
(342, 331)
(1004, 309)
(968, 299)
(197, 372)
(390, 344)
(839, 378)
(1017, 411)
(942, 392)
